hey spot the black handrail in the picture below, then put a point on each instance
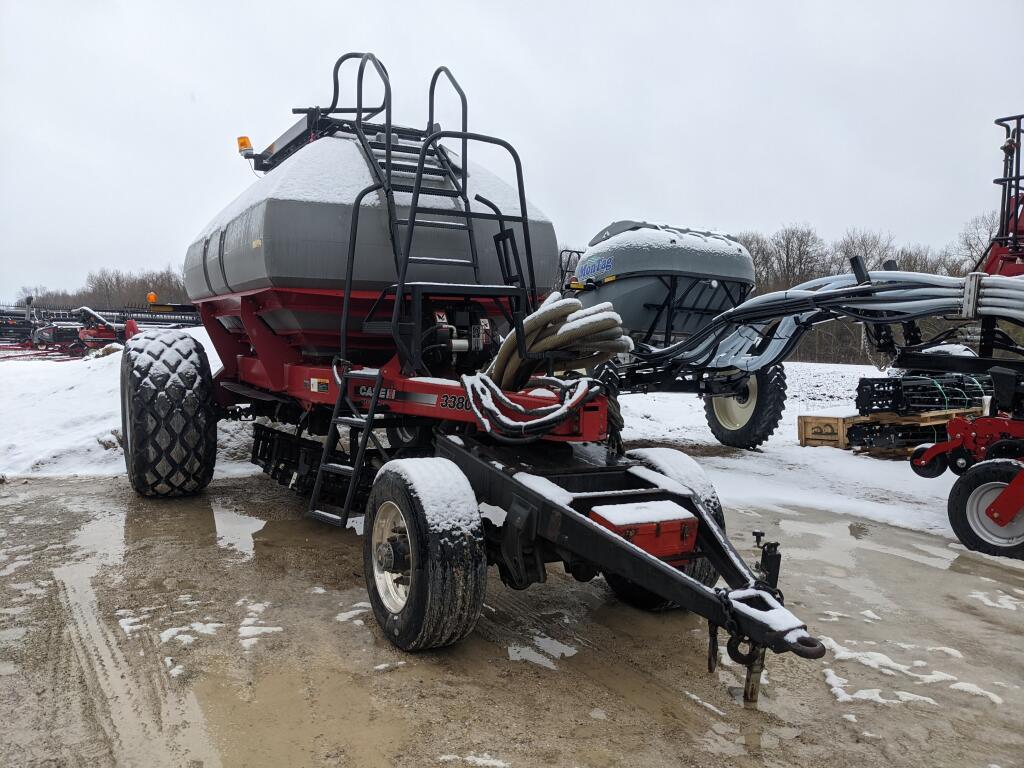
(350, 267)
(465, 114)
(431, 140)
(383, 74)
(1010, 202)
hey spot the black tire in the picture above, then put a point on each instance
(735, 424)
(676, 466)
(409, 437)
(972, 493)
(168, 414)
(440, 541)
(933, 468)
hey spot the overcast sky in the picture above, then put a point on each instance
(118, 119)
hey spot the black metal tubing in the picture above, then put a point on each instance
(1010, 181)
(570, 530)
(465, 114)
(433, 139)
(349, 269)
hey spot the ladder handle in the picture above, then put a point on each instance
(465, 112)
(353, 232)
(334, 96)
(383, 74)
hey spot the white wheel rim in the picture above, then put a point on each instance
(389, 529)
(983, 526)
(734, 412)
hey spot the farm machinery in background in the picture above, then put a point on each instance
(986, 504)
(32, 331)
(668, 282)
(376, 294)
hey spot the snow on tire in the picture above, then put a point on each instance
(168, 414)
(681, 469)
(423, 553)
(747, 420)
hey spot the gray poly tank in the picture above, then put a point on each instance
(291, 228)
(641, 268)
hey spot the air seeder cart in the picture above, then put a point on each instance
(668, 283)
(402, 367)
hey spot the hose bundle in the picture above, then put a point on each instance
(764, 330)
(581, 338)
(573, 338)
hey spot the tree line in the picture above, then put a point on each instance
(113, 289)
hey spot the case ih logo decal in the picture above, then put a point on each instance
(595, 267)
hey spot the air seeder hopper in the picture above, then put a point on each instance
(376, 293)
(668, 283)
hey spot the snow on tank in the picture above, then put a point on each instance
(290, 229)
(643, 268)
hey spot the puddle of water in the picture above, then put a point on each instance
(236, 531)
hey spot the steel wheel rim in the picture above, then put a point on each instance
(984, 527)
(733, 413)
(392, 585)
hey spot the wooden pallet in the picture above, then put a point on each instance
(830, 430)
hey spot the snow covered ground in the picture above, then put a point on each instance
(64, 419)
(783, 474)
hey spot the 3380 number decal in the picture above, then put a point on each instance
(456, 402)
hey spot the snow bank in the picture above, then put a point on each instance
(784, 475)
(64, 418)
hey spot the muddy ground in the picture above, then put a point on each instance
(228, 630)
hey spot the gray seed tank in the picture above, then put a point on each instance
(665, 282)
(291, 228)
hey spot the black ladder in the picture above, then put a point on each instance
(447, 180)
(420, 156)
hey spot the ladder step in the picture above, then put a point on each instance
(438, 191)
(428, 170)
(330, 518)
(408, 149)
(435, 224)
(338, 469)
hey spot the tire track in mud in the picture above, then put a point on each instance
(137, 716)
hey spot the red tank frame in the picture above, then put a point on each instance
(274, 362)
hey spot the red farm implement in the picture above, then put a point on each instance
(379, 293)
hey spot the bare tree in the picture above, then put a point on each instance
(875, 248)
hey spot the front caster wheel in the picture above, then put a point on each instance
(933, 468)
(972, 494)
(423, 553)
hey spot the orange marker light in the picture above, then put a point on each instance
(245, 147)
(151, 297)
